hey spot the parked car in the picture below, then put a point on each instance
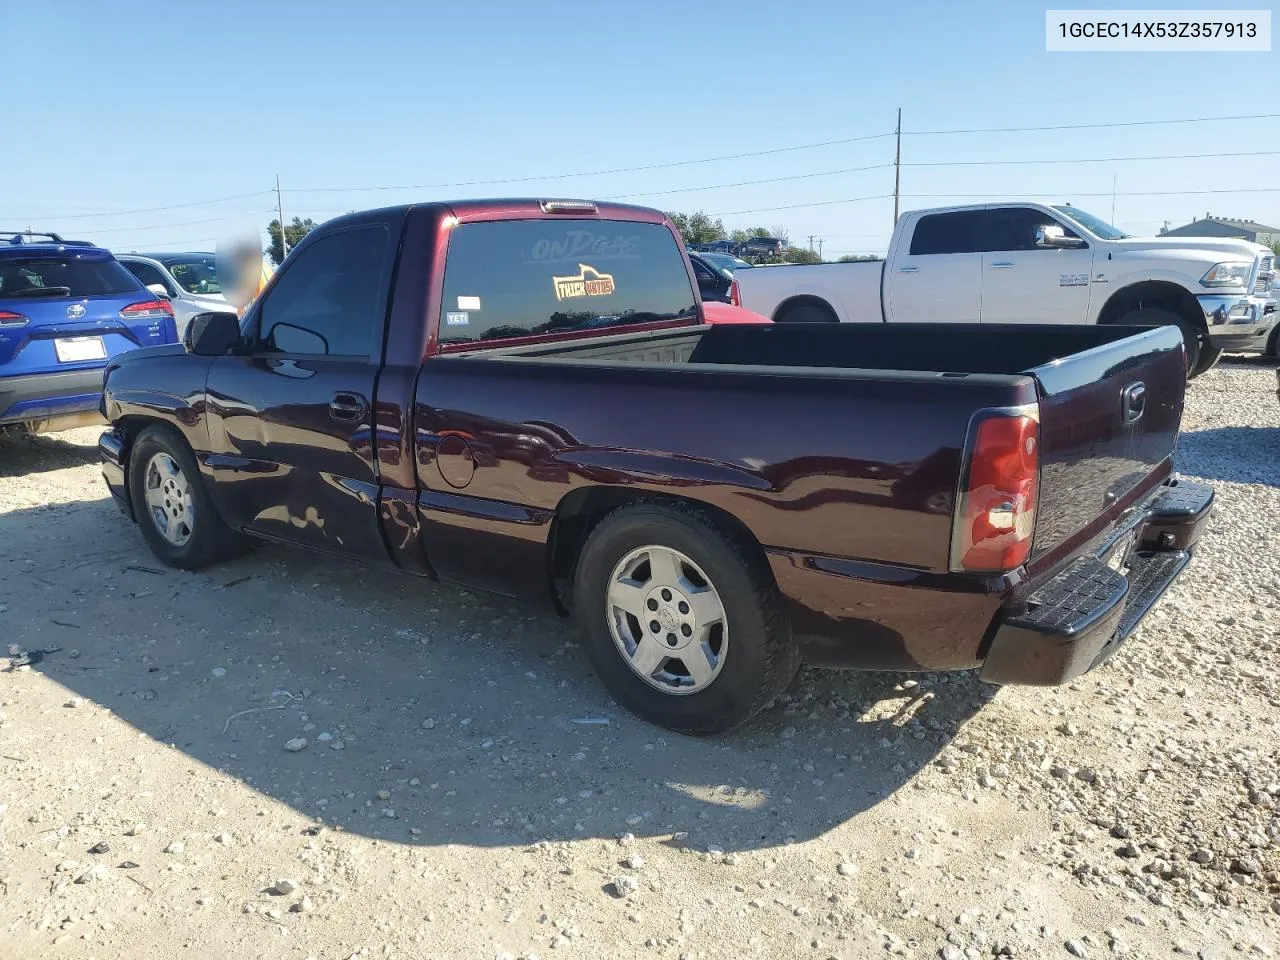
(714, 283)
(714, 504)
(715, 312)
(720, 246)
(66, 309)
(1037, 263)
(189, 281)
(760, 247)
(727, 261)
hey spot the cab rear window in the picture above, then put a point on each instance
(34, 277)
(513, 279)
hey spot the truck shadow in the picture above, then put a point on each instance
(479, 718)
(1233, 454)
(22, 454)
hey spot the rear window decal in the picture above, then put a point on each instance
(468, 303)
(587, 282)
(457, 319)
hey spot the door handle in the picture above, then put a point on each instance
(348, 407)
(1002, 265)
(1133, 401)
(908, 269)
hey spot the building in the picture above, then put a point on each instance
(1212, 226)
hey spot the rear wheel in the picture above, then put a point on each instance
(1194, 339)
(174, 511)
(809, 311)
(683, 622)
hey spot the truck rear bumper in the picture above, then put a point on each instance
(52, 401)
(114, 458)
(1082, 615)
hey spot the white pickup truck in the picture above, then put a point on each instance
(1037, 263)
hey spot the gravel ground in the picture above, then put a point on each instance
(288, 757)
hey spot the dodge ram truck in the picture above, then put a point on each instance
(523, 396)
(1037, 263)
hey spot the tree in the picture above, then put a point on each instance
(799, 255)
(697, 227)
(294, 233)
(858, 257)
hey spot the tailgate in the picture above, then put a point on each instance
(1108, 424)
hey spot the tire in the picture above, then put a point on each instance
(1209, 357)
(1273, 344)
(808, 313)
(161, 461)
(754, 654)
(1194, 340)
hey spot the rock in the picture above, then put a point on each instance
(296, 745)
(1087, 774)
(1076, 948)
(1128, 851)
(128, 865)
(1246, 865)
(282, 888)
(96, 872)
(633, 861)
(67, 866)
(383, 795)
(1121, 832)
(225, 839)
(74, 702)
(177, 846)
(1068, 729)
(303, 906)
(99, 848)
(624, 886)
(1202, 856)
(325, 737)
(219, 672)
(847, 869)
(1137, 920)
(627, 839)
(951, 952)
(135, 830)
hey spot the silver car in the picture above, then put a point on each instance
(189, 281)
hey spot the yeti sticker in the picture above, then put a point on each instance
(457, 319)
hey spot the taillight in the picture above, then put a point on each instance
(8, 319)
(147, 310)
(996, 512)
(735, 294)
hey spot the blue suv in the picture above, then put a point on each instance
(66, 308)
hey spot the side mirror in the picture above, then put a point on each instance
(1052, 237)
(159, 290)
(212, 334)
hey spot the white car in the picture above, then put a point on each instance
(1036, 263)
(189, 281)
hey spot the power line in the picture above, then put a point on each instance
(1090, 126)
(122, 213)
(797, 206)
(749, 183)
(1172, 156)
(129, 231)
(593, 173)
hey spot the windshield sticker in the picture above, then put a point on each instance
(577, 243)
(588, 282)
(459, 319)
(468, 303)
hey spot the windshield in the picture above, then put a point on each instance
(64, 276)
(1099, 228)
(197, 275)
(725, 261)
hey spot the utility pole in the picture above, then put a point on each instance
(820, 242)
(811, 243)
(284, 243)
(1113, 199)
(897, 169)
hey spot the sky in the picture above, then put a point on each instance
(133, 105)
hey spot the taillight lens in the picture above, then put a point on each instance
(147, 310)
(735, 294)
(8, 319)
(996, 515)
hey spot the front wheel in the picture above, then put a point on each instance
(174, 512)
(1195, 340)
(682, 619)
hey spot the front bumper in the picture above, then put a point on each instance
(1082, 615)
(52, 401)
(1238, 323)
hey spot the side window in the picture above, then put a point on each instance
(330, 299)
(946, 233)
(1014, 228)
(147, 274)
(702, 274)
(508, 279)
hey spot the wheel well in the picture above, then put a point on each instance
(1153, 293)
(804, 300)
(580, 511)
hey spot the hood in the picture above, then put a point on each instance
(1216, 248)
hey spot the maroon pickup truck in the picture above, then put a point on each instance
(522, 396)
